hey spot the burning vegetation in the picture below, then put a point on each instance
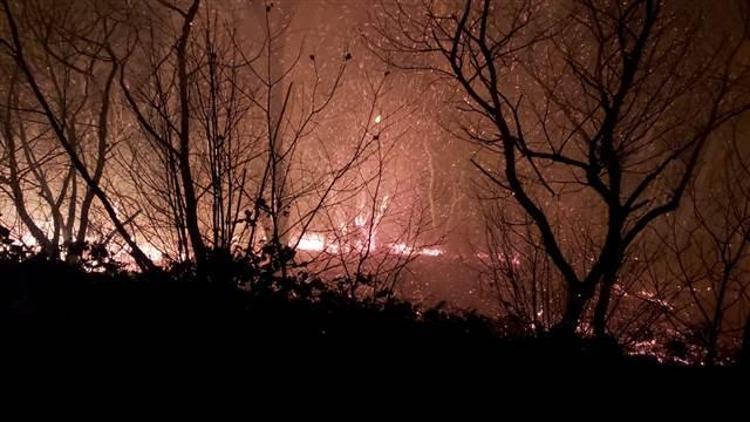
(463, 170)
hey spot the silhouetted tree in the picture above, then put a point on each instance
(710, 248)
(613, 101)
(60, 111)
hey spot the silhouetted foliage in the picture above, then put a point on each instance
(244, 307)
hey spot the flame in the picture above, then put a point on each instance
(317, 242)
(401, 248)
(313, 242)
(404, 249)
(28, 239)
(432, 251)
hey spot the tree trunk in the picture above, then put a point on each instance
(575, 305)
(191, 201)
(102, 137)
(745, 354)
(600, 311)
(602, 305)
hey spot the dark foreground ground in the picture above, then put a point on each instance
(54, 314)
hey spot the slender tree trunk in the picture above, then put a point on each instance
(72, 208)
(191, 201)
(611, 260)
(745, 354)
(602, 304)
(577, 298)
(102, 135)
(716, 323)
(276, 108)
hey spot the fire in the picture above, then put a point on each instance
(432, 251)
(28, 240)
(404, 249)
(313, 242)
(317, 242)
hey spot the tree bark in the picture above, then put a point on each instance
(602, 306)
(577, 298)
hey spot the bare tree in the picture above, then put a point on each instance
(168, 120)
(710, 248)
(70, 55)
(516, 271)
(258, 182)
(13, 183)
(184, 90)
(618, 111)
(369, 237)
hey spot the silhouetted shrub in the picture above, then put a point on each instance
(243, 307)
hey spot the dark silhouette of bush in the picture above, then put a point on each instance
(243, 308)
